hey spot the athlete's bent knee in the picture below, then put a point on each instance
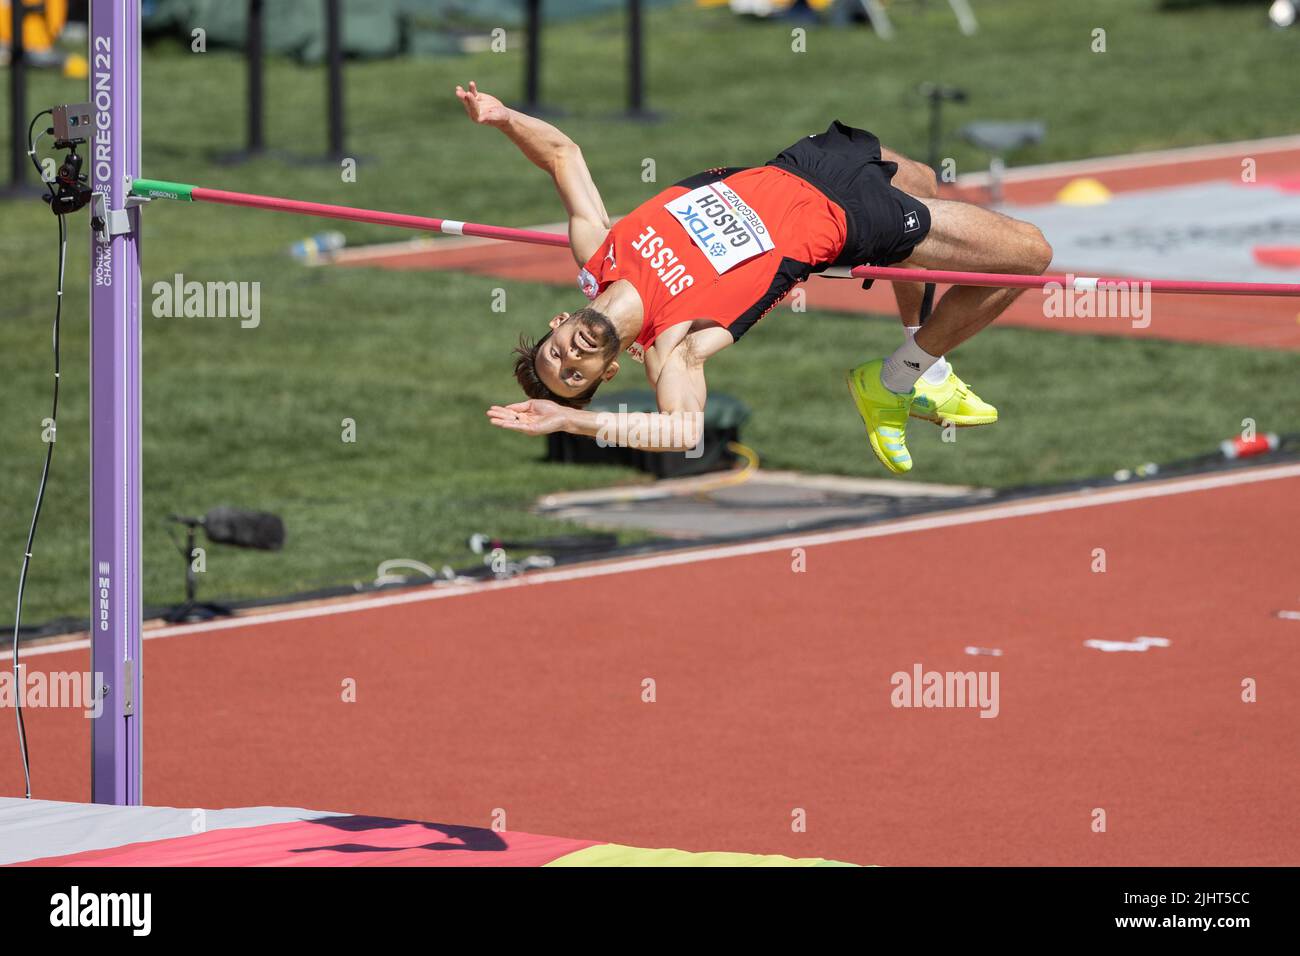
(1030, 252)
(1038, 251)
(929, 181)
(918, 179)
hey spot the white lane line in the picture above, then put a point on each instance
(951, 519)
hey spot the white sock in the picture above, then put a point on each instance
(908, 363)
(937, 372)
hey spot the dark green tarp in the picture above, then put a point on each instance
(371, 28)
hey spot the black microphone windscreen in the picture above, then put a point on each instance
(245, 529)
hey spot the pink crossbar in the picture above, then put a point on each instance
(987, 279)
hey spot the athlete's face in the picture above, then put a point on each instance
(581, 350)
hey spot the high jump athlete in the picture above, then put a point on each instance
(689, 271)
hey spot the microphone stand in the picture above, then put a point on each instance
(192, 609)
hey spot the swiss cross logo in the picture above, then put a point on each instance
(588, 284)
(911, 222)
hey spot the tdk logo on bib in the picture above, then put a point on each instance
(726, 230)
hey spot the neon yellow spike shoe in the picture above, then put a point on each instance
(885, 415)
(951, 401)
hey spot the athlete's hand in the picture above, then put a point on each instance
(536, 416)
(482, 107)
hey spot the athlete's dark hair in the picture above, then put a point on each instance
(525, 354)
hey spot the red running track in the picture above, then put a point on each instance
(773, 693)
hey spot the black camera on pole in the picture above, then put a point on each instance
(70, 190)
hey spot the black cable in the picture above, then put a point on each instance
(45, 474)
(31, 148)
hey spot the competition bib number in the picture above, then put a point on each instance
(727, 231)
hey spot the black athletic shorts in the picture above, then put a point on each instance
(884, 224)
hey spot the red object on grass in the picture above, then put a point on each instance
(1240, 447)
(1279, 257)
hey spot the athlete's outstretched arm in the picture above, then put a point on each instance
(551, 151)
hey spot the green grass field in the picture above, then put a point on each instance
(253, 417)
